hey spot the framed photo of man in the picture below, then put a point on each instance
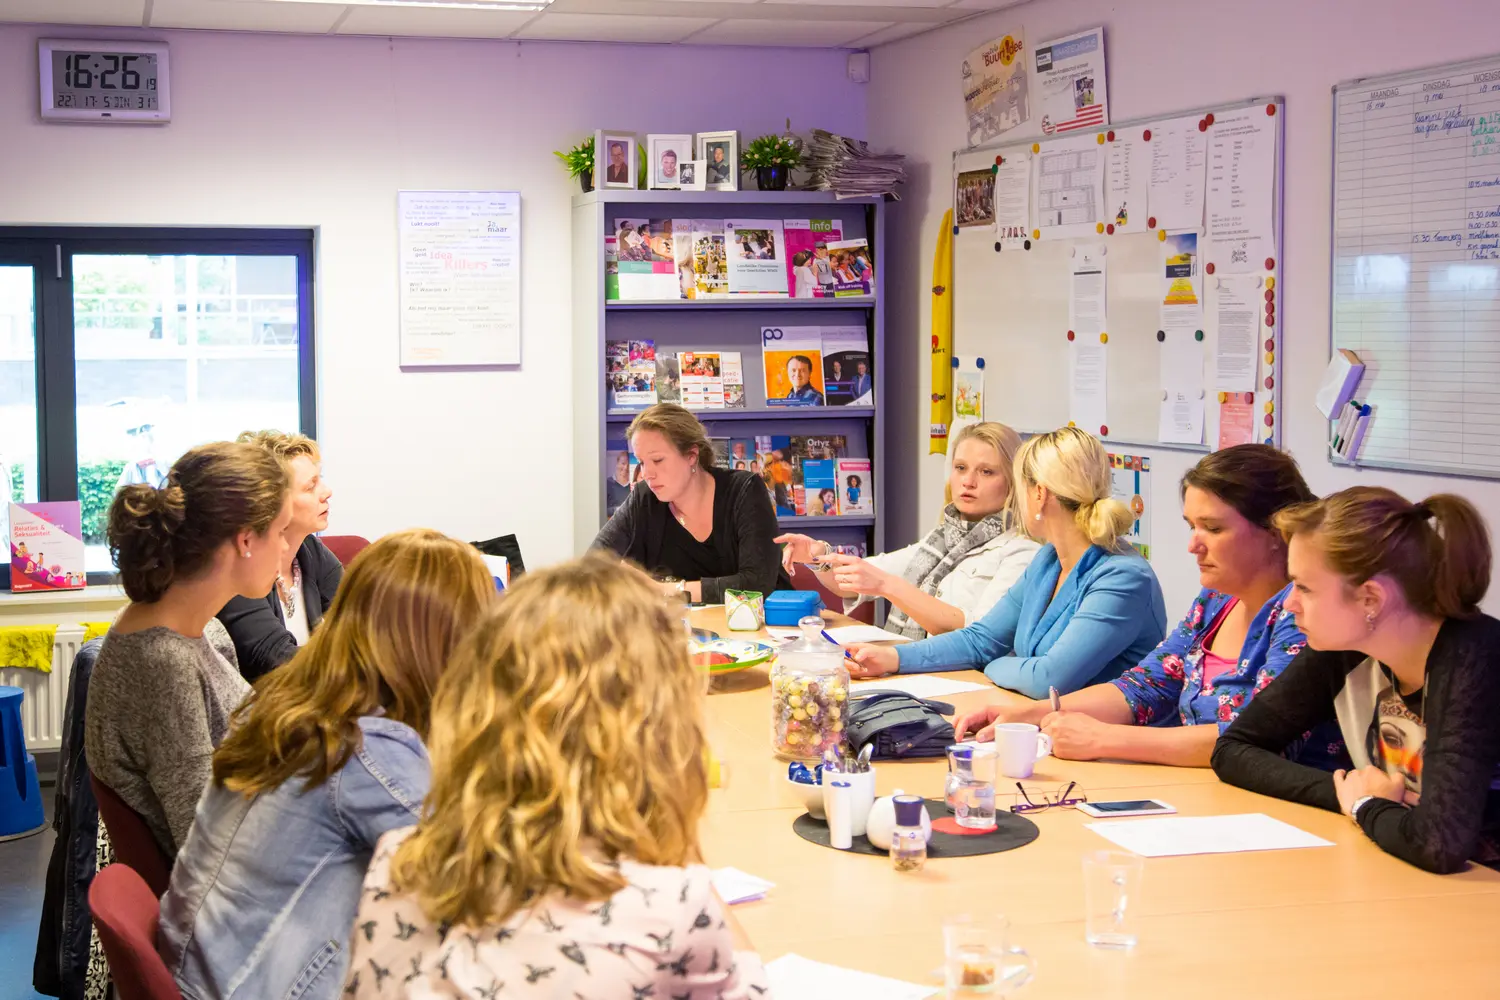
(720, 153)
(615, 159)
(663, 154)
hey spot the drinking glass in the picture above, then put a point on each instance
(1112, 890)
(979, 962)
(974, 796)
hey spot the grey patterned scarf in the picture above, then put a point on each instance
(944, 548)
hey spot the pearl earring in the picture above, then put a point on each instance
(1039, 517)
(246, 553)
(1370, 621)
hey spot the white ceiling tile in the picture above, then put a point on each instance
(611, 27)
(830, 34)
(891, 34)
(443, 22)
(106, 12)
(245, 15)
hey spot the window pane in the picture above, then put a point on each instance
(18, 466)
(174, 351)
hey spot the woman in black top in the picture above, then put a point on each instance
(706, 528)
(1387, 593)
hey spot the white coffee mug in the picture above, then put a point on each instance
(1020, 745)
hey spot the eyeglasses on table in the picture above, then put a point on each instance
(1037, 800)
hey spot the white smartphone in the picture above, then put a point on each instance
(1129, 807)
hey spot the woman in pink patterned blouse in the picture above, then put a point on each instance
(558, 854)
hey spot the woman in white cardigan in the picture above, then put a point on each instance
(964, 565)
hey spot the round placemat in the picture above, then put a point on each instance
(949, 840)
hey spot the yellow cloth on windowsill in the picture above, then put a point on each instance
(93, 630)
(28, 646)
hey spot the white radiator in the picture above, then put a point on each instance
(46, 695)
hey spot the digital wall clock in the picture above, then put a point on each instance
(89, 80)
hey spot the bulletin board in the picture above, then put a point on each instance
(1015, 291)
(1416, 254)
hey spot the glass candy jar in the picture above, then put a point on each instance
(809, 695)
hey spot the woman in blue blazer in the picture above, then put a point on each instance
(1088, 607)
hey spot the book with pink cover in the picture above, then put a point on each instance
(808, 274)
(46, 546)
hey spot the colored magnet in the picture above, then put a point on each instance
(1198, 335)
(1161, 336)
(1110, 229)
(1270, 344)
(1270, 358)
(1161, 234)
(1070, 335)
(1110, 135)
(1208, 268)
(997, 246)
(1203, 125)
(1036, 234)
(1036, 147)
(1270, 308)
(1146, 135)
(955, 362)
(999, 160)
(1104, 430)
(1249, 397)
(1270, 382)
(1270, 319)
(1270, 263)
(1223, 397)
(995, 169)
(1071, 424)
(1099, 227)
(1271, 109)
(979, 363)
(1270, 407)
(955, 230)
(1270, 420)
(1101, 138)
(1270, 282)
(1151, 224)
(1026, 245)
(1209, 118)
(1103, 338)
(1270, 295)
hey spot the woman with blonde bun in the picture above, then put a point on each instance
(1086, 609)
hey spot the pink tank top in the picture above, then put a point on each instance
(1214, 665)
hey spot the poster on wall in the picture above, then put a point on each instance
(1130, 483)
(1070, 82)
(460, 272)
(995, 88)
(46, 546)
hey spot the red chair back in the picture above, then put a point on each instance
(126, 914)
(344, 547)
(132, 839)
(805, 579)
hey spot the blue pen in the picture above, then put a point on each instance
(847, 655)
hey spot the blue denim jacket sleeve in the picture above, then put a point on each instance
(382, 787)
(1107, 620)
(992, 635)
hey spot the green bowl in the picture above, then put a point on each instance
(746, 653)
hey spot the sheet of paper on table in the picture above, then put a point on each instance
(735, 886)
(920, 686)
(796, 978)
(843, 634)
(1166, 836)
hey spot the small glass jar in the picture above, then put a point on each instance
(809, 696)
(908, 839)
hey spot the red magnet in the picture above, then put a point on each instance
(1151, 222)
(1209, 117)
(1146, 135)
(1070, 334)
(1270, 382)
(1208, 268)
(1270, 344)
(1270, 319)
(1203, 125)
(1270, 308)
(1270, 420)
(1110, 135)
(1110, 229)
(1104, 430)
(1249, 397)
(1270, 109)
(1270, 263)
(1270, 295)
(999, 160)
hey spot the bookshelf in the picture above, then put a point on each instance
(729, 323)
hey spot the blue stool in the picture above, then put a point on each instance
(20, 796)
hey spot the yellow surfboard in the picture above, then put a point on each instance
(942, 337)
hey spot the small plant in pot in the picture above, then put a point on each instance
(580, 163)
(772, 157)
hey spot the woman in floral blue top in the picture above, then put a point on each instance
(1236, 638)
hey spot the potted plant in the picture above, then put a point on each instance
(772, 157)
(580, 163)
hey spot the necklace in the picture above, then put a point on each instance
(288, 594)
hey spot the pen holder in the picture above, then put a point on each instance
(861, 796)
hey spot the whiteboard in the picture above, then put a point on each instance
(1011, 306)
(1416, 263)
(460, 277)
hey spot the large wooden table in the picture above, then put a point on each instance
(1345, 921)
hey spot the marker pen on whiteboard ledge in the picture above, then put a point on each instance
(1346, 424)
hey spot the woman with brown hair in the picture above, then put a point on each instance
(704, 528)
(326, 756)
(166, 680)
(1401, 658)
(558, 853)
(1234, 640)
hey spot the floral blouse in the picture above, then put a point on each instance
(1167, 686)
(661, 936)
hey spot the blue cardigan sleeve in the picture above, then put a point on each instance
(1107, 621)
(971, 647)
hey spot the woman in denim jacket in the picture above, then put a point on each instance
(324, 757)
(1235, 639)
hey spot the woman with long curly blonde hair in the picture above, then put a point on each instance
(558, 849)
(324, 757)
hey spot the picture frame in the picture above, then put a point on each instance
(611, 148)
(664, 151)
(690, 175)
(723, 169)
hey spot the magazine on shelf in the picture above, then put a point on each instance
(682, 253)
(621, 471)
(814, 457)
(756, 252)
(853, 267)
(741, 455)
(856, 486)
(611, 269)
(809, 274)
(702, 380)
(779, 472)
(646, 261)
(848, 375)
(46, 546)
(734, 379)
(630, 372)
(793, 359)
(709, 264)
(668, 378)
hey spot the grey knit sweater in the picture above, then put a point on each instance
(159, 702)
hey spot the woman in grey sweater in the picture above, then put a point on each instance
(166, 680)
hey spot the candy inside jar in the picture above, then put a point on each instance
(809, 696)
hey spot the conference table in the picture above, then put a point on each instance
(1341, 921)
